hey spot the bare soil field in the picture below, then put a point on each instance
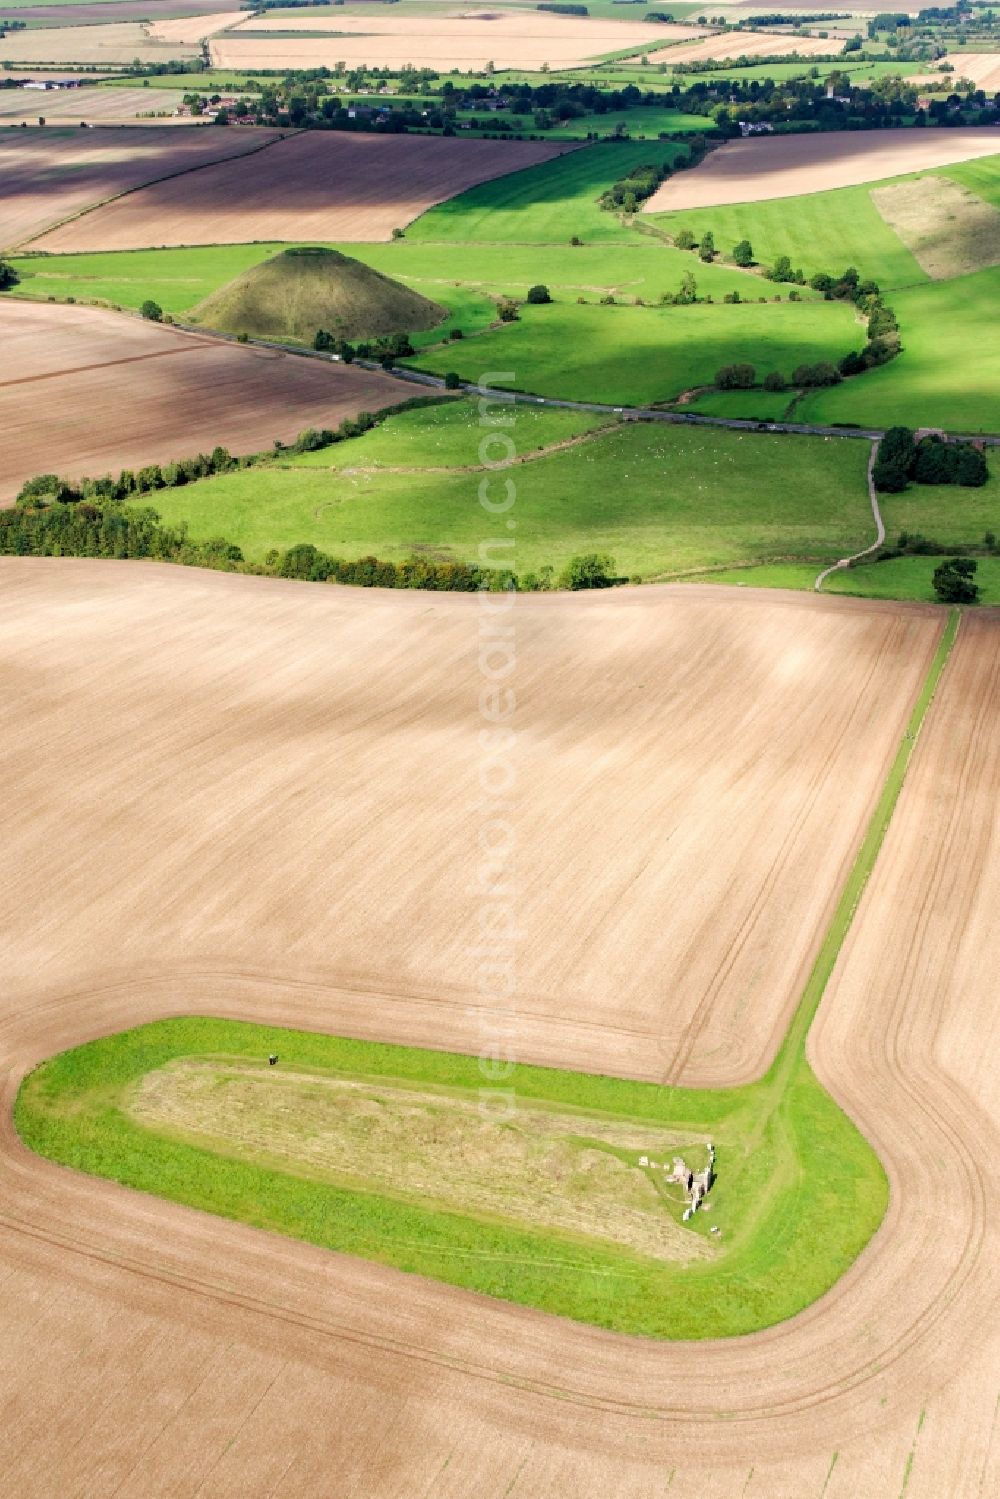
(98, 106)
(950, 230)
(747, 44)
(85, 391)
(509, 39)
(752, 170)
(316, 185)
(46, 175)
(171, 848)
(119, 42)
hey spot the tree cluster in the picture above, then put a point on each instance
(930, 461)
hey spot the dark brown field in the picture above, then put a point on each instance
(47, 175)
(85, 391)
(315, 185)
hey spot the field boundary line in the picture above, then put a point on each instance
(864, 861)
(81, 213)
(846, 562)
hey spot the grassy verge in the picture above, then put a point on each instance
(799, 1193)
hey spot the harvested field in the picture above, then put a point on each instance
(149, 1348)
(950, 230)
(98, 106)
(315, 185)
(153, 393)
(48, 175)
(120, 42)
(508, 39)
(983, 68)
(192, 29)
(752, 170)
(729, 45)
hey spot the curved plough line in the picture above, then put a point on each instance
(774, 1270)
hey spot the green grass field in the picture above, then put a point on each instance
(819, 232)
(982, 177)
(177, 279)
(544, 204)
(910, 578)
(756, 405)
(948, 373)
(948, 514)
(799, 1191)
(660, 499)
(641, 355)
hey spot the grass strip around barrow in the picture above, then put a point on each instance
(382, 1151)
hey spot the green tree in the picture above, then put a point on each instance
(8, 275)
(591, 570)
(452, 381)
(151, 310)
(743, 253)
(735, 377)
(539, 294)
(684, 239)
(706, 248)
(953, 581)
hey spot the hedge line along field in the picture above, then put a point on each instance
(948, 374)
(639, 356)
(820, 231)
(315, 184)
(154, 394)
(660, 499)
(134, 1107)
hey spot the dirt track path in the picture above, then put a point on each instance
(879, 527)
(152, 1349)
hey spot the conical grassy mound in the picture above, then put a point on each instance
(301, 290)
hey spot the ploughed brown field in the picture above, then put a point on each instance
(315, 185)
(243, 797)
(463, 39)
(48, 174)
(785, 166)
(85, 391)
